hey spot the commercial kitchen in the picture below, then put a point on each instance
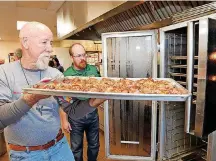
(136, 39)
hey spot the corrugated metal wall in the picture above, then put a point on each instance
(144, 14)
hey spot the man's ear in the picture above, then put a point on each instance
(25, 42)
(71, 58)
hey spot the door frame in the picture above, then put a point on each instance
(153, 34)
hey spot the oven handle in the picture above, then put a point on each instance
(190, 73)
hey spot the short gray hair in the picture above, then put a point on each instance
(29, 27)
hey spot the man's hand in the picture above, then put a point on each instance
(64, 121)
(31, 99)
(66, 126)
(95, 102)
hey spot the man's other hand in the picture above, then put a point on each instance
(66, 126)
(95, 102)
(31, 99)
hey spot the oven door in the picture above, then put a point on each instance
(130, 126)
(206, 81)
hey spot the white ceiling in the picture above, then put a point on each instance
(13, 11)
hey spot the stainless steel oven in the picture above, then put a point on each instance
(188, 56)
(149, 130)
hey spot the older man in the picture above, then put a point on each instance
(31, 122)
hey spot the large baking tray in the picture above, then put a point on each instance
(118, 96)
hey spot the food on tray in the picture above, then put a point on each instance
(142, 86)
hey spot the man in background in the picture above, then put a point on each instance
(18, 54)
(82, 113)
(51, 63)
(58, 65)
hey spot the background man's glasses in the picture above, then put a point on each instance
(79, 55)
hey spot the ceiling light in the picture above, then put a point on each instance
(20, 24)
(0, 38)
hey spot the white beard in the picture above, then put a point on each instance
(43, 61)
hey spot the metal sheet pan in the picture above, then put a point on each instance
(118, 96)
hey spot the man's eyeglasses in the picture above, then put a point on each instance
(79, 55)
